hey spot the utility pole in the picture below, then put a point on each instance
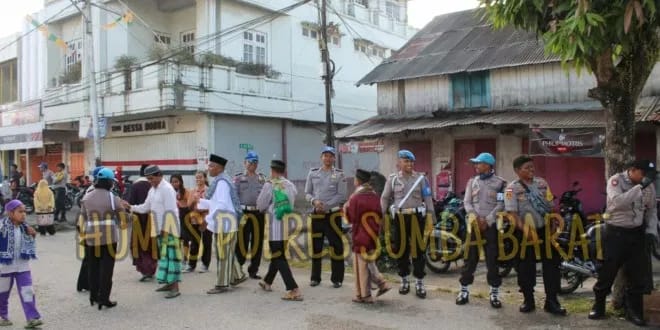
(88, 53)
(328, 72)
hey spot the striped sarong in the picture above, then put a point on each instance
(169, 264)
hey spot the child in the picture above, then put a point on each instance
(44, 206)
(17, 247)
(364, 213)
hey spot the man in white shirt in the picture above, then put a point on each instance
(223, 218)
(161, 205)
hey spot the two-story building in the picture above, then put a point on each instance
(179, 79)
(459, 87)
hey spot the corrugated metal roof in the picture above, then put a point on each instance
(460, 42)
(648, 110)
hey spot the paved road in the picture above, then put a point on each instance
(247, 307)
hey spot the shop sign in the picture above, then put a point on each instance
(141, 127)
(355, 147)
(573, 142)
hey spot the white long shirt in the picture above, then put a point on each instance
(160, 201)
(220, 203)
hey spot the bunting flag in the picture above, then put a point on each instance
(44, 30)
(126, 18)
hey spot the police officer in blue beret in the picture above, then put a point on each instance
(251, 232)
(407, 199)
(325, 190)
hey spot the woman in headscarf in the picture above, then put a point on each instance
(100, 208)
(182, 196)
(44, 206)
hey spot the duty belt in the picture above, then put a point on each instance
(414, 210)
(334, 209)
(249, 208)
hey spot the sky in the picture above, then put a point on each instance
(421, 12)
(13, 14)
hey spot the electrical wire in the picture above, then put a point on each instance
(35, 28)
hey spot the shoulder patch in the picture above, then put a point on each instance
(239, 174)
(614, 182)
(508, 194)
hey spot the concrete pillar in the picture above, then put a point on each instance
(508, 148)
(205, 19)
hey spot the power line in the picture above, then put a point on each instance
(35, 28)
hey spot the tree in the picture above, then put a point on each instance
(617, 40)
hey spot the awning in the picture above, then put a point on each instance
(648, 110)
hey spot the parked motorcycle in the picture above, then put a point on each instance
(26, 196)
(577, 269)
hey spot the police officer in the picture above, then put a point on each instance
(631, 228)
(251, 232)
(530, 196)
(484, 198)
(325, 190)
(410, 211)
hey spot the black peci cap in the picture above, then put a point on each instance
(218, 160)
(362, 175)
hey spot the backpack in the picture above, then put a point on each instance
(281, 203)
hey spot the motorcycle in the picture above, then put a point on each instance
(26, 196)
(576, 270)
(448, 246)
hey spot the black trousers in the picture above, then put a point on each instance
(527, 267)
(327, 225)
(100, 266)
(279, 264)
(405, 227)
(60, 209)
(204, 237)
(491, 249)
(623, 248)
(250, 240)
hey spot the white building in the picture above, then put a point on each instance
(173, 112)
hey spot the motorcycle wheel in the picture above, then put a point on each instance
(29, 207)
(570, 281)
(435, 262)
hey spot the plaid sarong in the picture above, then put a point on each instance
(169, 264)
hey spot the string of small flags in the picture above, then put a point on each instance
(126, 18)
(44, 30)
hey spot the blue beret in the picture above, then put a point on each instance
(406, 154)
(328, 149)
(252, 156)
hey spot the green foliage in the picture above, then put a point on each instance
(72, 75)
(255, 69)
(158, 52)
(580, 30)
(209, 58)
(125, 62)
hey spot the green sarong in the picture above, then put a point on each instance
(169, 264)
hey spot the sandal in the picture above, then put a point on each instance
(368, 300)
(265, 286)
(383, 290)
(172, 294)
(357, 299)
(290, 296)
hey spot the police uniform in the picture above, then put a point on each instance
(484, 197)
(329, 187)
(251, 232)
(518, 200)
(633, 215)
(414, 210)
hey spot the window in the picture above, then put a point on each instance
(254, 47)
(8, 82)
(470, 90)
(162, 38)
(392, 10)
(188, 41)
(310, 32)
(73, 53)
(363, 3)
(305, 32)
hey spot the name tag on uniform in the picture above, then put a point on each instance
(500, 196)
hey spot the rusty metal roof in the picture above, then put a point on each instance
(460, 42)
(587, 115)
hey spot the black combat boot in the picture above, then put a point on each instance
(635, 310)
(598, 309)
(528, 304)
